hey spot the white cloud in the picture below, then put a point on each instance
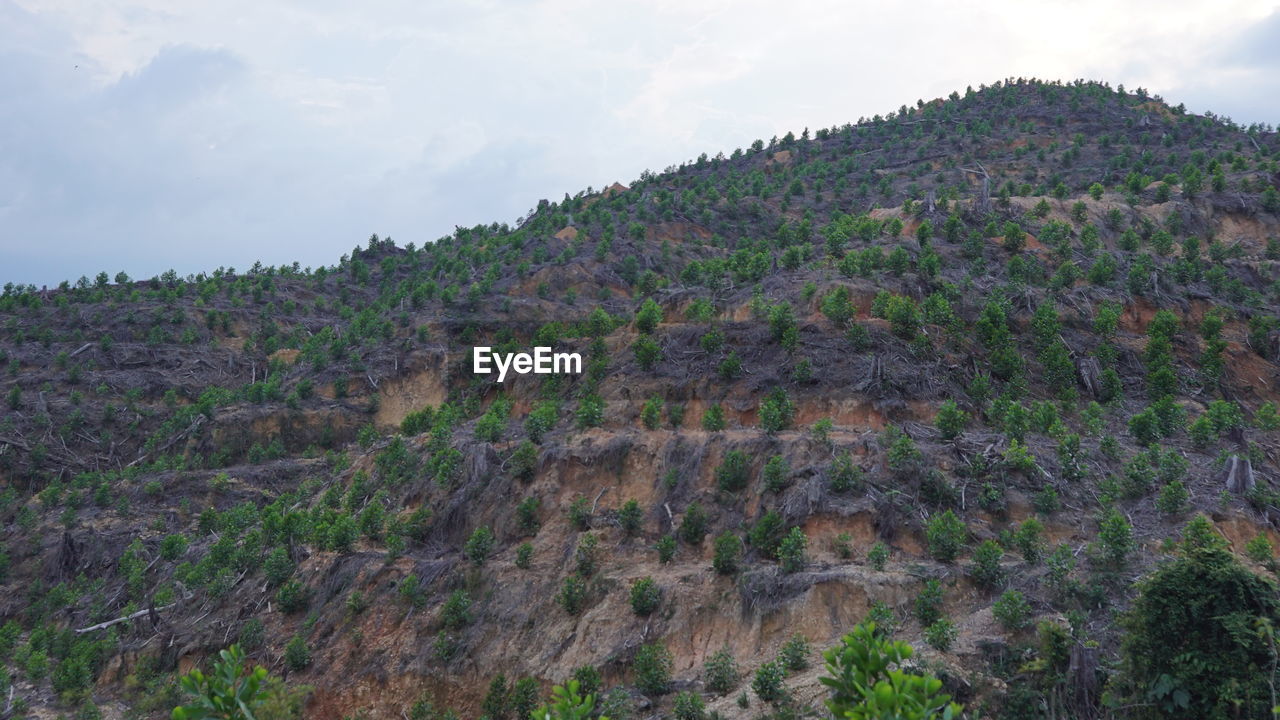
(142, 135)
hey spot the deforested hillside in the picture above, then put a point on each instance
(998, 372)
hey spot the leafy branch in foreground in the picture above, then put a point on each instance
(226, 694)
(867, 682)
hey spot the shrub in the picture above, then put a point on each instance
(950, 419)
(524, 555)
(1173, 498)
(647, 351)
(651, 413)
(292, 597)
(878, 555)
(590, 411)
(1029, 541)
(693, 527)
(296, 653)
(689, 706)
(573, 594)
(734, 471)
(946, 535)
(645, 596)
(728, 549)
(456, 610)
(630, 517)
(652, 668)
(776, 474)
(1012, 610)
(666, 547)
(844, 475)
(721, 672)
(648, 316)
(713, 419)
(1259, 549)
(986, 570)
(527, 515)
(867, 678)
(929, 603)
(777, 411)
(479, 545)
(791, 550)
(794, 654)
(767, 682)
(941, 634)
(767, 533)
(579, 513)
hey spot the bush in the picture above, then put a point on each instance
(666, 547)
(721, 672)
(647, 351)
(292, 597)
(645, 596)
(791, 550)
(929, 603)
(986, 570)
(776, 474)
(630, 517)
(1173, 498)
(946, 536)
(1029, 541)
(456, 610)
(713, 419)
(1259, 549)
(767, 533)
(651, 413)
(1191, 646)
(777, 411)
(728, 550)
(868, 681)
(767, 682)
(1012, 611)
(941, 634)
(573, 594)
(693, 527)
(844, 475)
(479, 545)
(950, 419)
(296, 653)
(689, 706)
(878, 555)
(648, 316)
(794, 654)
(652, 668)
(734, 471)
(1116, 536)
(524, 555)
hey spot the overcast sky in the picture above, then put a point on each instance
(143, 136)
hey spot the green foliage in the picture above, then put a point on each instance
(693, 527)
(941, 634)
(777, 411)
(688, 706)
(1116, 536)
(1199, 640)
(720, 672)
(728, 551)
(648, 316)
(713, 418)
(568, 704)
(734, 471)
(767, 682)
(878, 555)
(573, 594)
(479, 545)
(645, 596)
(776, 474)
(794, 654)
(928, 606)
(843, 475)
(228, 693)
(1012, 610)
(950, 420)
(296, 653)
(647, 352)
(986, 570)
(630, 517)
(652, 668)
(946, 535)
(791, 550)
(867, 681)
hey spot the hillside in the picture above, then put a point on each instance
(997, 349)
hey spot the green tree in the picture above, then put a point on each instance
(1199, 640)
(867, 681)
(946, 536)
(229, 693)
(567, 704)
(777, 411)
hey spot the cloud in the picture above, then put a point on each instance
(141, 137)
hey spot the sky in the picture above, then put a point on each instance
(146, 136)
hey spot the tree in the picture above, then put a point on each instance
(647, 351)
(648, 316)
(946, 535)
(479, 545)
(950, 419)
(791, 550)
(1198, 641)
(229, 693)
(867, 681)
(567, 704)
(777, 411)
(652, 667)
(645, 596)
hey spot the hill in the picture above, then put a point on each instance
(968, 369)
